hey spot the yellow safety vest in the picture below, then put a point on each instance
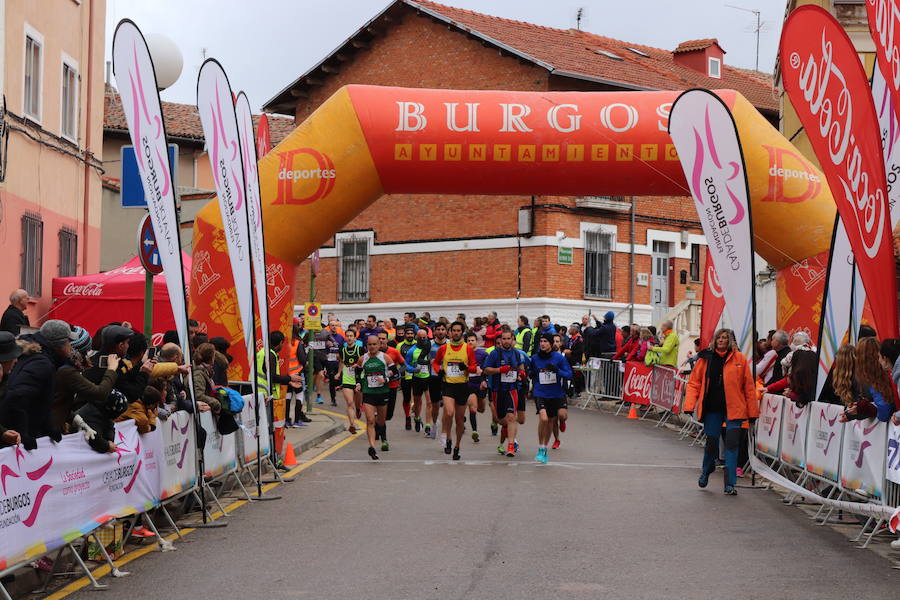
(261, 381)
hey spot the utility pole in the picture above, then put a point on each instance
(757, 29)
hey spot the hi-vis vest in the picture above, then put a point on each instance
(520, 339)
(293, 362)
(261, 366)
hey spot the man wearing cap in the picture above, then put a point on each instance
(26, 404)
(606, 335)
(14, 318)
(9, 352)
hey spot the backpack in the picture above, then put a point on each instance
(231, 400)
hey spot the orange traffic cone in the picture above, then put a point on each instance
(632, 412)
(289, 459)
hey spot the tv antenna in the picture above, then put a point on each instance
(578, 16)
(759, 26)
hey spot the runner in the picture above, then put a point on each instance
(319, 346)
(350, 354)
(557, 425)
(477, 387)
(548, 369)
(454, 362)
(372, 381)
(434, 384)
(403, 346)
(332, 361)
(394, 383)
(418, 370)
(506, 369)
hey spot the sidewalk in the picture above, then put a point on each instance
(326, 423)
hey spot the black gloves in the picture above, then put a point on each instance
(29, 442)
(56, 436)
(752, 421)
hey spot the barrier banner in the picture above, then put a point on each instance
(637, 383)
(892, 468)
(219, 451)
(59, 492)
(793, 434)
(825, 437)
(249, 430)
(136, 83)
(178, 446)
(828, 88)
(713, 302)
(705, 135)
(663, 387)
(768, 427)
(864, 448)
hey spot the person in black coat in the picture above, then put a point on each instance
(26, 404)
(14, 317)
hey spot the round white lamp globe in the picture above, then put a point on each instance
(167, 59)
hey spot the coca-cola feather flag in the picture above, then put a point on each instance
(829, 90)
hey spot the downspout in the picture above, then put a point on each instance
(87, 139)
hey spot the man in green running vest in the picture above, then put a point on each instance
(372, 380)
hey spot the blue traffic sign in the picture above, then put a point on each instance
(147, 248)
(132, 188)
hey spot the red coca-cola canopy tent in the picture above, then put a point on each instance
(92, 301)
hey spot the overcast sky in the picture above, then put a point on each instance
(266, 44)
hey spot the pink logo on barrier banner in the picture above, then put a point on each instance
(184, 446)
(795, 415)
(822, 417)
(862, 449)
(35, 475)
(828, 445)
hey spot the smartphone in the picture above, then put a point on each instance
(104, 361)
(151, 352)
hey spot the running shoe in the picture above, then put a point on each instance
(494, 428)
(511, 450)
(501, 449)
(475, 436)
(408, 423)
(427, 430)
(444, 441)
(141, 531)
(418, 425)
(516, 442)
(299, 424)
(456, 454)
(434, 432)
(303, 419)
(448, 447)
(545, 457)
(555, 445)
(537, 457)
(288, 424)
(372, 453)
(704, 480)
(352, 429)
(385, 446)
(562, 426)
(333, 403)
(730, 491)
(320, 400)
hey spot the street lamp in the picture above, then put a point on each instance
(167, 59)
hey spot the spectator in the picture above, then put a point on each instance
(877, 397)
(479, 330)
(606, 335)
(722, 391)
(492, 330)
(26, 405)
(632, 342)
(688, 365)
(769, 368)
(640, 349)
(9, 353)
(144, 411)
(14, 318)
(170, 337)
(523, 334)
(668, 350)
(866, 331)
(544, 327)
(574, 346)
(221, 361)
(800, 341)
(800, 385)
(276, 341)
(202, 377)
(72, 389)
(652, 329)
(193, 328)
(135, 370)
(96, 421)
(840, 386)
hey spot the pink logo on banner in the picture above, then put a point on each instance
(828, 445)
(714, 156)
(822, 417)
(184, 446)
(796, 415)
(35, 475)
(862, 450)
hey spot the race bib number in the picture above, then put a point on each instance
(317, 345)
(454, 371)
(421, 368)
(374, 381)
(509, 377)
(332, 357)
(547, 377)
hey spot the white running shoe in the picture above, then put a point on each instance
(896, 544)
(443, 439)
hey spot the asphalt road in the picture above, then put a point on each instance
(616, 514)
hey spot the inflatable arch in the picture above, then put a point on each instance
(366, 141)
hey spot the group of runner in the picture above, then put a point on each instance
(445, 373)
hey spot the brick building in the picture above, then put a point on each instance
(471, 254)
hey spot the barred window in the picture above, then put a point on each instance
(68, 252)
(353, 279)
(32, 253)
(598, 247)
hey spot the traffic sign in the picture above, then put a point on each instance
(313, 320)
(132, 191)
(147, 248)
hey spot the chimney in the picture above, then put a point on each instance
(703, 56)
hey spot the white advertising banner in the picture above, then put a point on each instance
(823, 444)
(768, 427)
(706, 139)
(864, 447)
(838, 302)
(219, 452)
(179, 450)
(59, 492)
(254, 214)
(892, 468)
(136, 83)
(216, 107)
(793, 434)
(249, 432)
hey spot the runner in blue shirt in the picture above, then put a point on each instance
(548, 370)
(505, 368)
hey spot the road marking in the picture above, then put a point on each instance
(103, 570)
(475, 463)
(341, 416)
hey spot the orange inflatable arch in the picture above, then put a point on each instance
(366, 141)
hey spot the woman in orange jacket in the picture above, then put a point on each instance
(722, 391)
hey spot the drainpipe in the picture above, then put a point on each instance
(631, 269)
(88, 138)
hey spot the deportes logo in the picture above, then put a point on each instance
(305, 175)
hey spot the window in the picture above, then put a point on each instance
(32, 253)
(353, 278)
(695, 262)
(598, 246)
(69, 102)
(33, 71)
(68, 252)
(715, 67)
